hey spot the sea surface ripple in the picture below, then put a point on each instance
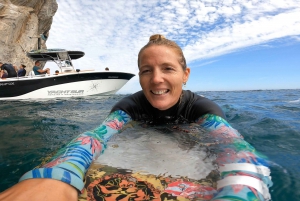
(268, 119)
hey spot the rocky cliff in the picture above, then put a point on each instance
(21, 22)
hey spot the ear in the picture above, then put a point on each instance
(186, 74)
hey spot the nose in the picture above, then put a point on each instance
(157, 77)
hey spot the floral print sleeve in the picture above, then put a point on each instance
(244, 172)
(71, 162)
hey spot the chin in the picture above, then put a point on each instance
(161, 102)
(160, 106)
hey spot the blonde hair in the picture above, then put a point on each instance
(158, 39)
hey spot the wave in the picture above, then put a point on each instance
(294, 101)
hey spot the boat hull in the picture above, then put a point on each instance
(63, 85)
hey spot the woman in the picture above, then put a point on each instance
(22, 71)
(162, 72)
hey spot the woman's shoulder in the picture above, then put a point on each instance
(134, 105)
(199, 105)
(132, 100)
(192, 98)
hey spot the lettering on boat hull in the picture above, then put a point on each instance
(65, 92)
(7, 83)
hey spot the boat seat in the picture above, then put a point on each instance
(67, 69)
(31, 73)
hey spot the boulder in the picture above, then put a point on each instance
(21, 23)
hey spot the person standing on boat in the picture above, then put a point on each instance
(22, 71)
(38, 70)
(11, 72)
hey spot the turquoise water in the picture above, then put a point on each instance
(269, 120)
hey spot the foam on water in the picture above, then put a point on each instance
(294, 101)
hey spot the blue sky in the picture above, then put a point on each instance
(228, 44)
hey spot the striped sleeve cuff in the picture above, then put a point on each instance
(57, 174)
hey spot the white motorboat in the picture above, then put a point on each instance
(69, 82)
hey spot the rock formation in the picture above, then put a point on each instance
(21, 22)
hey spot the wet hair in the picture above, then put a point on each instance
(158, 39)
(23, 65)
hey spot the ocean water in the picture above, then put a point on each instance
(268, 119)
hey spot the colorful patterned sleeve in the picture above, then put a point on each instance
(244, 172)
(71, 162)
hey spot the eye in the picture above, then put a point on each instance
(144, 71)
(169, 68)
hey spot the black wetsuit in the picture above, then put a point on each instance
(11, 72)
(188, 109)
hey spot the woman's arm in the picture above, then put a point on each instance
(40, 189)
(70, 163)
(244, 172)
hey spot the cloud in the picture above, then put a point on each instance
(240, 35)
(111, 33)
(297, 38)
(205, 63)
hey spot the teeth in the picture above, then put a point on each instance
(160, 92)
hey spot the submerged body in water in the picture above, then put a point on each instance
(238, 162)
(32, 130)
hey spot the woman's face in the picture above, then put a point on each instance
(161, 76)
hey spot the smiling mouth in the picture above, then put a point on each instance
(160, 92)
